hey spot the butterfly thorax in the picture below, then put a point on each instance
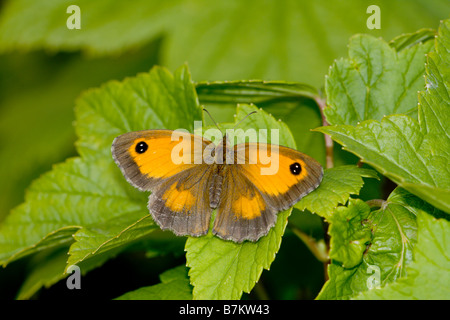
(224, 152)
(223, 155)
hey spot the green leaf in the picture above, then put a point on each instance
(222, 269)
(288, 40)
(74, 194)
(406, 41)
(174, 286)
(385, 239)
(427, 276)
(374, 81)
(415, 155)
(258, 92)
(109, 237)
(336, 187)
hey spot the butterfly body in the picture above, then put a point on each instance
(239, 182)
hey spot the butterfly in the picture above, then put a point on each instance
(206, 177)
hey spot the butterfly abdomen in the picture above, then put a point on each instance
(215, 188)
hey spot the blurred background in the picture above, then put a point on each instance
(44, 66)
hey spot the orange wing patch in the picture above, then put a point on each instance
(248, 207)
(176, 199)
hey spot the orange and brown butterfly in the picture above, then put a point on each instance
(228, 178)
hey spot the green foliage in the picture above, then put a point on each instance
(363, 240)
(413, 154)
(83, 212)
(273, 42)
(336, 187)
(428, 274)
(374, 81)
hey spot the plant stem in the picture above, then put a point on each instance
(321, 103)
(376, 203)
(260, 291)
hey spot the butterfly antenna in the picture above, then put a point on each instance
(244, 119)
(212, 119)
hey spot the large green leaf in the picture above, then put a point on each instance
(428, 276)
(74, 194)
(413, 154)
(374, 81)
(290, 40)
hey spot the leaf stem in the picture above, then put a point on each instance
(328, 142)
(317, 248)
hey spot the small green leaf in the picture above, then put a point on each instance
(174, 286)
(384, 242)
(415, 155)
(349, 235)
(427, 277)
(374, 81)
(408, 40)
(222, 269)
(336, 187)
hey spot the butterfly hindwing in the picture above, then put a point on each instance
(181, 203)
(243, 212)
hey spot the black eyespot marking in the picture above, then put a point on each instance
(141, 147)
(296, 168)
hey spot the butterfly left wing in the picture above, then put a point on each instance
(179, 199)
(181, 203)
(264, 180)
